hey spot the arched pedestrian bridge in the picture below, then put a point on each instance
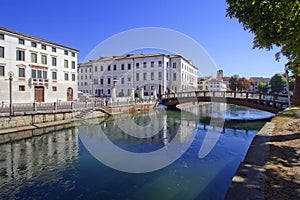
(267, 102)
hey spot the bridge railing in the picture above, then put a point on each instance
(229, 94)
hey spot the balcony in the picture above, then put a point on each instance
(38, 82)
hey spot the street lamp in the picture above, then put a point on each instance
(10, 74)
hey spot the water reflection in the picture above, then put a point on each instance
(148, 148)
(58, 165)
(23, 162)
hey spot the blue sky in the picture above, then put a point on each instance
(84, 24)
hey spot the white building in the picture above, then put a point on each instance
(211, 84)
(148, 74)
(42, 71)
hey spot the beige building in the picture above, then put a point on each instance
(41, 70)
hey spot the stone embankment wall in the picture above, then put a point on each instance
(28, 124)
(27, 119)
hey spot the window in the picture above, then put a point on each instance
(145, 64)
(174, 65)
(66, 64)
(159, 63)
(73, 78)
(39, 74)
(54, 61)
(2, 72)
(108, 81)
(33, 44)
(85, 70)
(33, 57)
(21, 87)
(73, 64)
(54, 75)
(66, 52)
(43, 46)
(22, 72)
(90, 69)
(152, 63)
(122, 81)
(101, 68)
(96, 68)
(174, 77)
(128, 79)
(73, 54)
(145, 76)
(1, 36)
(108, 68)
(21, 41)
(101, 81)
(1, 52)
(54, 88)
(137, 65)
(95, 80)
(129, 66)
(137, 77)
(53, 49)
(66, 76)
(122, 67)
(152, 75)
(159, 76)
(44, 59)
(81, 70)
(115, 67)
(33, 73)
(20, 55)
(44, 74)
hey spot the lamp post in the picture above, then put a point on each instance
(10, 74)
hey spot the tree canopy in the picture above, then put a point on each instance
(237, 83)
(233, 82)
(273, 23)
(262, 87)
(277, 82)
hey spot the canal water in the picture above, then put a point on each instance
(202, 154)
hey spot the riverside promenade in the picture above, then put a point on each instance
(271, 168)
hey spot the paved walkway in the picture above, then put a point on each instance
(249, 180)
(271, 169)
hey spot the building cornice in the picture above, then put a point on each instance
(35, 39)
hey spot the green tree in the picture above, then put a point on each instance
(277, 82)
(273, 23)
(233, 82)
(262, 87)
(243, 84)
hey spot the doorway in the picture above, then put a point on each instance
(39, 94)
(69, 94)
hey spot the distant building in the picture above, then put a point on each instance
(215, 85)
(158, 73)
(255, 81)
(226, 81)
(220, 75)
(43, 71)
(212, 84)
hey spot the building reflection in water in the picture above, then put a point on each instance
(157, 129)
(23, 161)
